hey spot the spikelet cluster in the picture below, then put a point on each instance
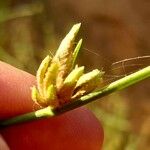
(59, 79)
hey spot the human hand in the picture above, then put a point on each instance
(77, 129)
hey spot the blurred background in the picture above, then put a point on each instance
(112, 31)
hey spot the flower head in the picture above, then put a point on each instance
(59, 79)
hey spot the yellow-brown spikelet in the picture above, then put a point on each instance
(41, 73)
(50, 76)
(87, 83)
(64, 55)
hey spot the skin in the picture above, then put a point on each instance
(77, 129)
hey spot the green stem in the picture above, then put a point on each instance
(48, 112)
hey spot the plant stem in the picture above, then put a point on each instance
(113, 87)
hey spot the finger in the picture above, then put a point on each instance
(74, 130)
(77, 129)
(3, 145)
(14, 91)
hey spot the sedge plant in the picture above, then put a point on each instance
(62, 85)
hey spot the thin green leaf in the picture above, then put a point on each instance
(76, 52)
